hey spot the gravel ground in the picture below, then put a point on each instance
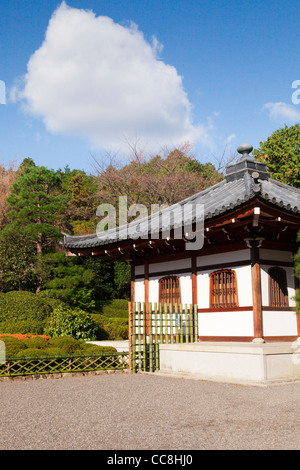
(147, 412)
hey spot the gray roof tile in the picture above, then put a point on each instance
(217, 199)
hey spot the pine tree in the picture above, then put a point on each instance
(36, 209)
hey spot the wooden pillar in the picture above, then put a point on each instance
(130, 324)
(132, 285)
(146, 281)
(256, 291)
(194, 280)
(146, 287)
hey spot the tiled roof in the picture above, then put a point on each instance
(230, 193)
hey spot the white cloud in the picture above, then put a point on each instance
(282, 112)
(104, 82)
(229, 139)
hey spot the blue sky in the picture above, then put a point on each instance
(155, 73)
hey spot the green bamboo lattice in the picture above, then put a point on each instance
(156, 324)
(67, 363)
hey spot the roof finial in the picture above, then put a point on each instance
(245, 150)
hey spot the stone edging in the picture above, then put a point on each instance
(59, 375)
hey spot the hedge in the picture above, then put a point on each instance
(111, 328)
(23, 305)
(38, 346)
(112, 308)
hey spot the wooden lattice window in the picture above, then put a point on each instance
(223, 289)
(278, 293)
(169, 290)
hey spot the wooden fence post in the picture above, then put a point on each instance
(130, 334)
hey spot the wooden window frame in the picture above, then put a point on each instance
(278, 294)
(226, 302)
(161, 296)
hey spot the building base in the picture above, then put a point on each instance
(259, 363)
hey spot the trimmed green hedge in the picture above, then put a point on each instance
(33, 327)
(24, 306)
(111, 328)
(116, 308)
(54, 346)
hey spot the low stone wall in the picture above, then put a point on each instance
(233, 362)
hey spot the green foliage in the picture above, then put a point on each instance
(54, 352)
(81, 191)
(67, 279)
(71, 322)
(22, 305)
(12, 345)
(111, 328)
(37, 346)
(23, 326)
(31, 352)
(122, 278)
(67, 343)
(36, 342)
(89, 348)
(112, 308)
(79, 281)
(36, 205)
(17, 267)
(281, 152)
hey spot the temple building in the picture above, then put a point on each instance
(241, 277)
(229, 250)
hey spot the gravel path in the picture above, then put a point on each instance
(146, 412)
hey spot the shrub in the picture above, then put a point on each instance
(113, 308)
(31, 352)
(71, 322)
(54, 352)
(22, 305)
(12, 345)
(111, 328)
(95, 348)
(34, 327)
(65, 343)
(36, 342)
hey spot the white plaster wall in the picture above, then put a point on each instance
(238, 323)
(277, 323)
(203, 289)
(153, 290)
(139, 291)
(170, 265)
(244, 284)
(186, 288)
(228, 257)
